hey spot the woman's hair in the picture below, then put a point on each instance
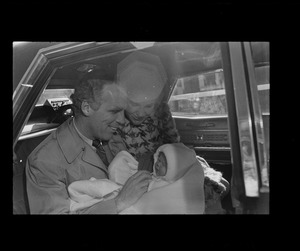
(89, 89)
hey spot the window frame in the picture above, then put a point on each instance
(243, 108)
(44, 66)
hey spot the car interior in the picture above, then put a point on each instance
(207, 133)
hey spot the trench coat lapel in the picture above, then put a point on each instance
(91, 157)
(72, 145)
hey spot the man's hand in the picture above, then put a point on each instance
(133, 189)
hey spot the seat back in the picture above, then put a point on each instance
(22, 150)
(20, 200)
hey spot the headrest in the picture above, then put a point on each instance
(142, 75)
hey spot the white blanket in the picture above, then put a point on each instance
(123, 166)
(183, 196)
(85, 193)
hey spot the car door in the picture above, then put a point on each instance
(221, 109)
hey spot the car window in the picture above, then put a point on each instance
(56, 97)
(203, 93)
(45, 115)
(199, 95)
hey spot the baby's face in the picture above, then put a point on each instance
(161, 165)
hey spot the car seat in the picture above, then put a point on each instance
(21, 152)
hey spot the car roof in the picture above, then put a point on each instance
(23, 54)
(179, 59)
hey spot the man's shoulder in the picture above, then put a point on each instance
(49, 146)
(45, 148)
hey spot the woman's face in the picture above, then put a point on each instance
(161, 165)
(138, 112)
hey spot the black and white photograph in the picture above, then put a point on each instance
(141, 127)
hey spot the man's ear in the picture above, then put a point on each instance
(86, 108)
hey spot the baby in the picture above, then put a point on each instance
(160, 165)
(176, 186)
(215, 185)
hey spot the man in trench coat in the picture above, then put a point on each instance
(68, 155)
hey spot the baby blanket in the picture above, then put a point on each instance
(180, 191)
(85, 193)
(183, 196)
(123, 166)
(172, 194)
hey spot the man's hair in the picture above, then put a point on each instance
(89, 89)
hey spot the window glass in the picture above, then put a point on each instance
(263, 86)
(58, 97)
(44, 115)
(199, 95)
(199, 90)
(260, 56)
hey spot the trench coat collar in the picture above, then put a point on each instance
(72, 145)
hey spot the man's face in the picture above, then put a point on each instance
(161, 165)
(138, 112)
(110, 115)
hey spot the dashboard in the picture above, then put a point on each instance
(208, 136)
(204, 131)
